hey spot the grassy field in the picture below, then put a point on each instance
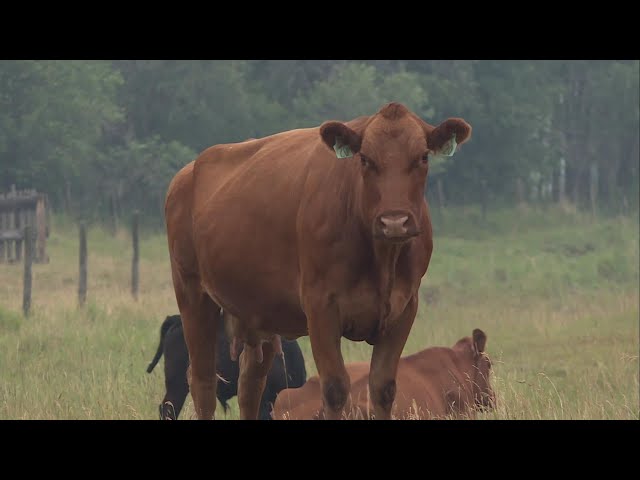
(556, 293)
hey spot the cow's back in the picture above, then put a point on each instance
(418, 396)
(246, 198)
(298, 403)
(424, 383)
(432, 383)
(179, 225)
(305, 402)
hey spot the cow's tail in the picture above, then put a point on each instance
(166, 325)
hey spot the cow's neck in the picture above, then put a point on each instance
(385, 254)
(386, 259)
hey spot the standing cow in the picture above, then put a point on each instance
(320, 231)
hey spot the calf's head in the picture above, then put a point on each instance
(393, 148)
(479, 368)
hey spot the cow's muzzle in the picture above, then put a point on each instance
(395, 226)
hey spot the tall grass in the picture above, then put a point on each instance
(556, 293)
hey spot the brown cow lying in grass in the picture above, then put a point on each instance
(437, 382)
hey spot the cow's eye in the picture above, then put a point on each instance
(366, 163)
(425, 158)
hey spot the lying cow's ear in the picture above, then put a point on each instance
(340, 138)
(479, 340)
(443, 139)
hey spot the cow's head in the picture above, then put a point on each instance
(393, 148)
(472, 348)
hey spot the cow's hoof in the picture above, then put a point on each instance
(167, 411)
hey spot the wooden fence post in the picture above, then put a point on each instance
(28, 261)
(82, 285)
(135, 277)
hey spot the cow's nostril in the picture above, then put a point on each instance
(393, 222)
(393, 225)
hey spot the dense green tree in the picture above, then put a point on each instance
(107, 136)
(355, 89)
(52, 114)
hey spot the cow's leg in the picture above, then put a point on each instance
(199, 316)
(325, 339)
(173, 401)
(384, 362)
(177, 391)
(253, 377)
(200, 336)
(176, 364)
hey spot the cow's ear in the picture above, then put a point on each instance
(443, 139)
(340, 138)
(479, 340)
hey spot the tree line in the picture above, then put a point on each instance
(103, 138)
